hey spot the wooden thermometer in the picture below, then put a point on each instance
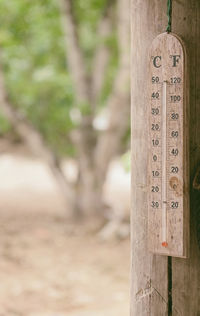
(168, 202)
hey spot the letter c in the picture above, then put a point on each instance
(156, 60)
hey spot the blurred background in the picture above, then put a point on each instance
(64, 157)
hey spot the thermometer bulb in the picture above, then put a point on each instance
(165, 244)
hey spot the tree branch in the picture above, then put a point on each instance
(109, 142)
(35, 142)
(101, 57)
(74, 57)
(84, 135)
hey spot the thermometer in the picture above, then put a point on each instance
(168, 114)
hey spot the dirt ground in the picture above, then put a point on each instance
(50, 266)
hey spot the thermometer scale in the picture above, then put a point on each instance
(168, 198)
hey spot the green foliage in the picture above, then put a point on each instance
(4, 126)
(88, 13)
(34, 61)
(126, 161)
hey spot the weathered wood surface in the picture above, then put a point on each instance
(186, 273)
(150, 285)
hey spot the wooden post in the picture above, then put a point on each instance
(163, 285)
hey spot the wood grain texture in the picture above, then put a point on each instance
(186, 273)
(149, 294)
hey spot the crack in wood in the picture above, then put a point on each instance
(196, 186)
(169, 286)
(148, 291)
(142, 293)
(196, 181)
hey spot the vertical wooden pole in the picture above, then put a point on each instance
(161, 285)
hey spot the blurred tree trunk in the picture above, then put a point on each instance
(97, 149)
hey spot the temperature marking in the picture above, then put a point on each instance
(164, 165)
